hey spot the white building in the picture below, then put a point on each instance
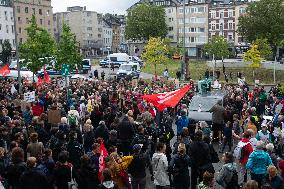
(171, 21)
(107, 36)
(7, 30)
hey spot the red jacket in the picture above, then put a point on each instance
(247, 150)
(37, 109)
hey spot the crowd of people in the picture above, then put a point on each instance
(107, 137)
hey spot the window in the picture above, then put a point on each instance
(20, 30)
(200, 20)
(48, 12)
(34, 11)
(192, 29)
(12, 27)
(230, 13)
(39, 11)
(21, 40)
(230, 37)
(186, 40)
(180, 10)
(231, 26)
(213, 14)
(170, 10)
(221, 14)
(242, 10)
(89, 28)
(201, 30)
(213, 25)
(217, 26)
(7, 29)
(26, 9)
(6, 16)
(90, 35)
(192, 39)
(192, 20)
(18, 9)
(171, 37)
(48, 22)
(27, 20)
(192, 51)
(89, 14)
(19, 19)
(187, 10)
(192, 10)
(99, 35)
(187, 20)
(201, 39)
(201, 9)
(171, 28)
(180, 21)
(40, 21)
(180, 30)
(12, 16)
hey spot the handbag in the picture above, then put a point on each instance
(72, 184)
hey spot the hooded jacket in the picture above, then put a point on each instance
(258, 162)
(226, 174)
(160, 168)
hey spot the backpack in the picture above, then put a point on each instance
(43, 169)
(72, 119)
(234, 182)
(239, 151)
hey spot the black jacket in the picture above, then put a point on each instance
(199, 153)
(125, 130)
(14, 173)
(137, 167)
(33, 179)
(102, 132)
(87, 178)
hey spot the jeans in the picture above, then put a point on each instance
(258, 178)
(138, 183)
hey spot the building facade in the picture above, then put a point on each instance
(24, 9)
(107, 37)
(7, 29)
(195, 26)
(86, 25)
(239, 11)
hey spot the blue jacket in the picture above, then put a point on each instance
(181, 122)
(258, 162)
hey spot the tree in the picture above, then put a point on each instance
(6, 51)
(68, 51)
(217, 46)
(145, 21)
(253, 56)
(156, 51)
(264, 48)
(264, 19)
(39, 45)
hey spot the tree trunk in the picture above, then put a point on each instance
(155, 71)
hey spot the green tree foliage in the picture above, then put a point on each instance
(253, 56)
(217, 46)
(264, 48)
(145, 21)
(68, 51)
(6, 51)
(156, 52)
(264, 19)
(39, 45)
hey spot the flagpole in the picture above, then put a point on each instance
(17, 47)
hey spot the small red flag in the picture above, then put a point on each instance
(5, 70)
(103, 154)
(46, 76)
(39, 82)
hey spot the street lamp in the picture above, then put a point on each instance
(184, 53)
(12, 4)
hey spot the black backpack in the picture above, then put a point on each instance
(234, 182)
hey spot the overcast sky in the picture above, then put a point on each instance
(101, 6)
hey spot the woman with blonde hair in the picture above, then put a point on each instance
(118, 166)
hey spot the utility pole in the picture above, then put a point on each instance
(17, 47)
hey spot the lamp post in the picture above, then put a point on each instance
(184, 53)
(17, 47)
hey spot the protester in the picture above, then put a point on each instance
(208, 181)
(258, 162)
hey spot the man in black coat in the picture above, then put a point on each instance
(125, 135)
(199, 153)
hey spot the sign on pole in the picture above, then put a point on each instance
(61, 83)
(29, 97)
(65, 70)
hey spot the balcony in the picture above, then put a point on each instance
(93, 44)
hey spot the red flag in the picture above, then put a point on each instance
(5, 70)
(39, 82)
(165, 100)
(46, 76)
(103, 154)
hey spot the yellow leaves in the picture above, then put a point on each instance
(253, 56)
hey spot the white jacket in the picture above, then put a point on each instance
(160, 167)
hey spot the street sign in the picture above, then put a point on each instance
(65, 69)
